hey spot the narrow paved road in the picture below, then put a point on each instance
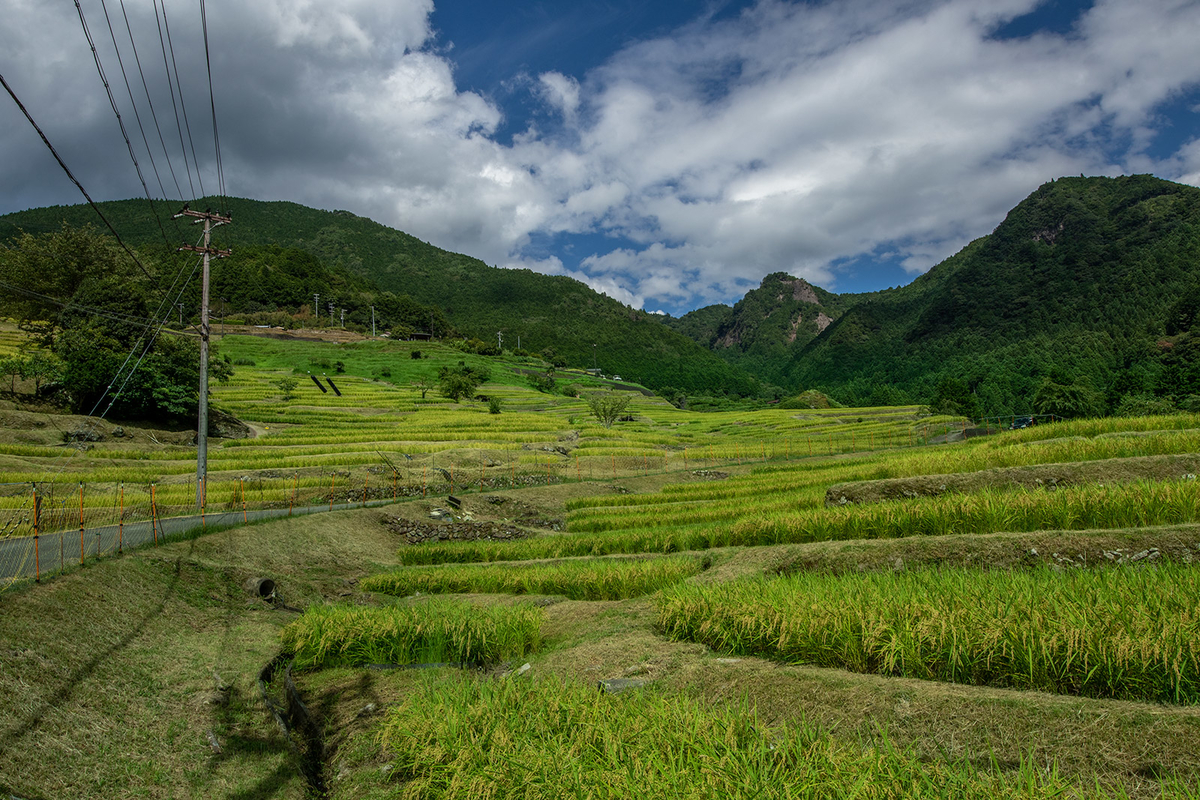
(25, 558)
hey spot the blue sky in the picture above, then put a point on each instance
(670, 154)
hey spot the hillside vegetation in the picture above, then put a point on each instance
(1081, 302)
(577, 325)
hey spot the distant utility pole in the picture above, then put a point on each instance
(372, 322)
(500, 340)
(210, 220)
(330, 307)
(180, 313)
(343, 317)
(317, 306)
(594, 368)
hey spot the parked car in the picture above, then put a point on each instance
(1021, 422)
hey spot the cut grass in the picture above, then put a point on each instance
(438, 631)
(1123, 633)
(594, 579)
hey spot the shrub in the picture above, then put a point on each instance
(494, 404)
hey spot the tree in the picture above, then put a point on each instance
(1067, 401)
(85, 301)
(422, 386)
(607, 408)
(457, 385)
(288, 387)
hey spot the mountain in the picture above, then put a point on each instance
(1086, 288)
(768, 326)
(545, 313)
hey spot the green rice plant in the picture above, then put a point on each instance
(1128, 633)
(462, 737)
(435, 631)
(992, 511)
(593, 579)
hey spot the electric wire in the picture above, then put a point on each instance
(113, 102)
(171, 86)
(182, 104)
(74, 180)
(213, 105)
(149, 102)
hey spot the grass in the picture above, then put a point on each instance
(592, 579)
(1119, 633)
(432, 632)
(459, 737)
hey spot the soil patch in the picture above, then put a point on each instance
(415, 532)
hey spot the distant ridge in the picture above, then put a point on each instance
(578, 324)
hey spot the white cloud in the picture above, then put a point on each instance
(790, 137)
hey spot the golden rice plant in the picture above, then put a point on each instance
(1118, 632)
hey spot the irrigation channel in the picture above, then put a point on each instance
(51, 553)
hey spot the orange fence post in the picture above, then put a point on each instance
(614, 464)
(424, 482)
(685, 459)
(451, 479)
(395, 489)
(578, 475)
(332, 478)
(242, 487)
(295, 486)
(365, 482)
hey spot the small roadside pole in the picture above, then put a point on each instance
(37, 553)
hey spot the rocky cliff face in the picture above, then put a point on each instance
(778, 318)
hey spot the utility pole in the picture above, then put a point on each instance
(500, 340)
(180, 314)
(316, 306)
(211, 220)
(329, 305)
(372, 322)
(343, 317)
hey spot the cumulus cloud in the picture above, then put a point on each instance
(791, 136)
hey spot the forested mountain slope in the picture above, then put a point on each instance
(1084, 288)
(545, 312)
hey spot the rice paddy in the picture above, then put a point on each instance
(590, 579)
(616, 532)
(1124, 633)
(438, 631)
(457, 737)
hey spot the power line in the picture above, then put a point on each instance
(75, 181)
(182, 104)
(171, 86)
(213, 104)
(149, 102)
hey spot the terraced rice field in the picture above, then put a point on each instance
(679, 605)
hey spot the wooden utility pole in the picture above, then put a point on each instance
(210, 220)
